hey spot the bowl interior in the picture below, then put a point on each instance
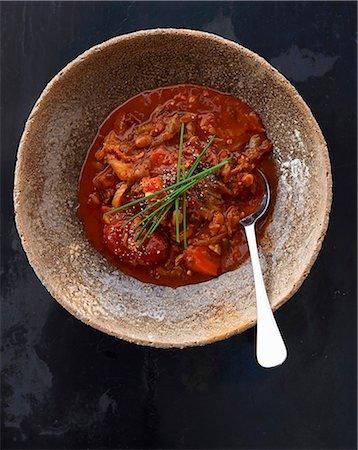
(58, 134)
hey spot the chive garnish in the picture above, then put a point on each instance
(181, 141)
(158, 210)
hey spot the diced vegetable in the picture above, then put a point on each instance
(150, 185)
(143, 141)
(160, 156)
(121, 241)
(121, 169)
(105, 179)
(202, 260)
(117, 198)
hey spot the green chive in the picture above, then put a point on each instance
(155, 225)
(159, 209)
(172, 186)
(181, 141)
(198, 159)
(184, 219)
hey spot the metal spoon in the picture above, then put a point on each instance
(270, 347)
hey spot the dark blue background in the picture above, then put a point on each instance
(66, 385)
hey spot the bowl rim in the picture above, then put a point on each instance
(279, 78)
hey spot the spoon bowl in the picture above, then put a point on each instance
(252, 218)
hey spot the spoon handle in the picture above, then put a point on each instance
(270, 348)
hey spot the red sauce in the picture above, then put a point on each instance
(136, 152)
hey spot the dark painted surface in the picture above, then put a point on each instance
(66, 385)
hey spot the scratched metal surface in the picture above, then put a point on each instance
(65, 385)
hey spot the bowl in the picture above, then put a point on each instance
(57, 135)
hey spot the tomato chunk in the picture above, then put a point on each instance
(151, 185)
(161, 156)
(202, 260)
(154, 248)
(121, 241)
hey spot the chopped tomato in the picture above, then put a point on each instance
(121, 241)
(150, 185)
(155, 248)
(160, 156)
(202, 260)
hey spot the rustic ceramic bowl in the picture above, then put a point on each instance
(58, 134)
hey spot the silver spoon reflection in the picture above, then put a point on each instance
(270, 347)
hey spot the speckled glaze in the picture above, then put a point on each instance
(56, 138)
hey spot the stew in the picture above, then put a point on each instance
(189, 140)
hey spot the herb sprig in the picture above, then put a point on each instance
(181, 142)
(174, 194)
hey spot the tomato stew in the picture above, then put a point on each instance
(135, 153)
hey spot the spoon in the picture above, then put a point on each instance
(270, 347)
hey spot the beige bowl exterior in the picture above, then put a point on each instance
(55, 141)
